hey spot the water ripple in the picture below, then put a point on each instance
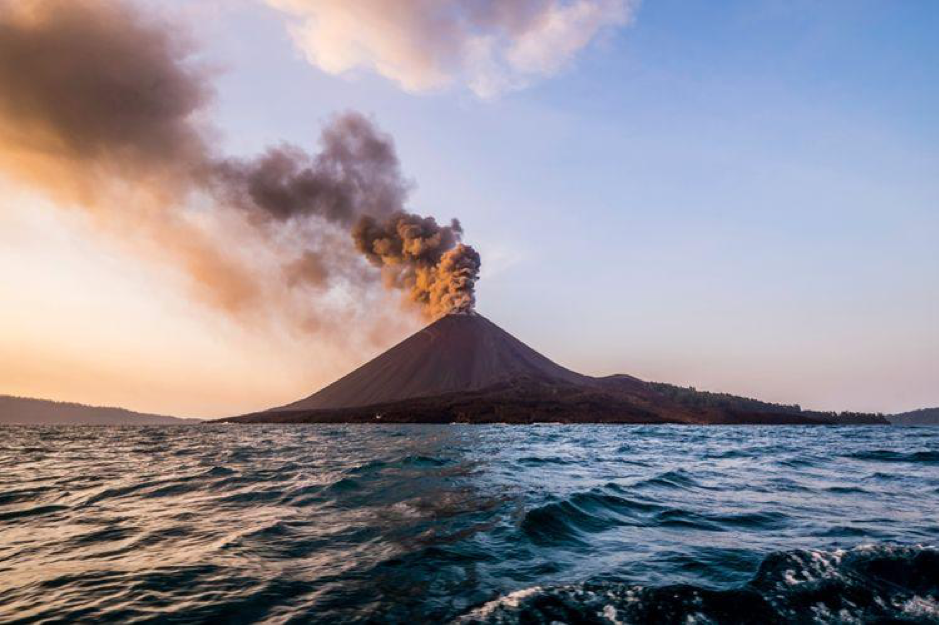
(502, 524)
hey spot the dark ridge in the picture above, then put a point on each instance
(692, 397)
(465, 369)
(28, 411)
(518, 401)
(923, 416)
(525, 400)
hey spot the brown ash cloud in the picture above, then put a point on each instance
(105, 108)
(426, 260)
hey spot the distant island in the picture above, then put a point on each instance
(463, 368)
(27, 411)
(924, 416)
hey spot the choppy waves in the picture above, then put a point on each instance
(603, 508)
(502, 524)
(867, 584)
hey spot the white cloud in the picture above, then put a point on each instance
(490, 46)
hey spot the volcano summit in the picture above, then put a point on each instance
(462, 368)
(457, 353)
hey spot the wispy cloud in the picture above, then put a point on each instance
(490, 46)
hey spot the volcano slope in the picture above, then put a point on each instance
(465, 369)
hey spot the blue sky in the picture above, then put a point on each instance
(742, 196)
(739, 196)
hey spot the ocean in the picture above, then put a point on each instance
(469, 524)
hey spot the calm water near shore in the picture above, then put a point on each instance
(502, 524)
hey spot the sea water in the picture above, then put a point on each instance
(503, 524)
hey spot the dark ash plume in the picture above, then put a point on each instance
(425, 259)
(94, 83)
(356, 172)
(103, 108)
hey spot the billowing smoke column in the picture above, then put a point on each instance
(426, 259)
(356, 181)
(102, 108)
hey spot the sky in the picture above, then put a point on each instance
(735, 196)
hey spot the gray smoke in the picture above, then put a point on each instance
(356, 172)
(101, 106)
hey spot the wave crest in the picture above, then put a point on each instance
(871, 583)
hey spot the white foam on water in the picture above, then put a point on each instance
(610, 614)
(920, 607)
(511, 600)
(818, 565)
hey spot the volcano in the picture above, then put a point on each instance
(463, 368)
(458, 352)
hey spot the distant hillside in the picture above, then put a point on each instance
(694, 398)
(27, 411)
(924, 416)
